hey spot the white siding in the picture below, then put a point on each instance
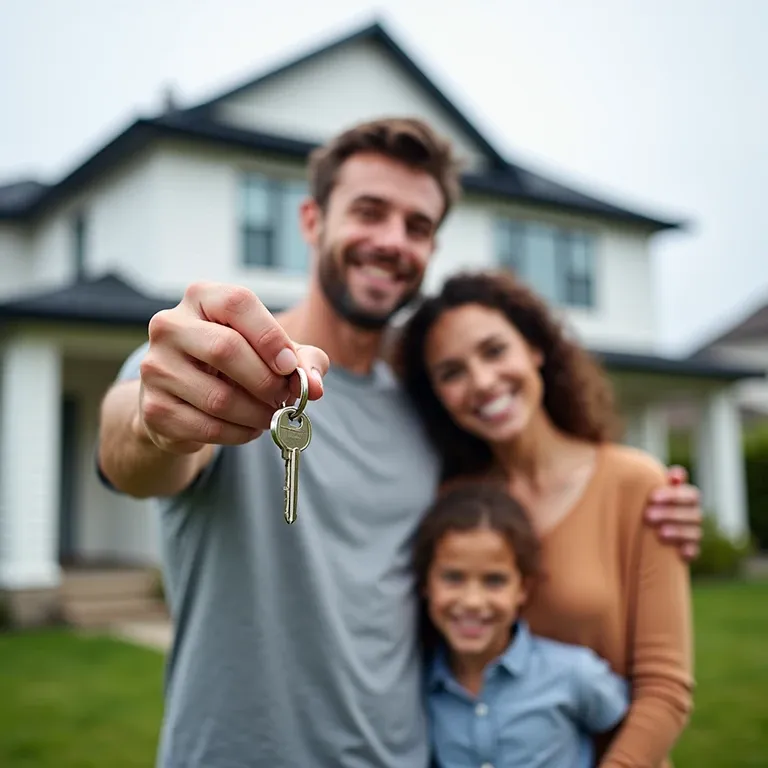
(50, 245)
(624, 317)
(15, 271)
(356, 82)
(123, 223)
(194, 224)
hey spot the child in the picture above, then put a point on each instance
(497, 696)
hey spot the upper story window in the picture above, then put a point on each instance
(557, 262)
(79, 243)
(269, 223)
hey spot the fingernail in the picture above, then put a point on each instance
(286, 361)
(317, 377)
(653, 513)
(667, 530)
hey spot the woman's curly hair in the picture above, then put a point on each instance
(578, 396)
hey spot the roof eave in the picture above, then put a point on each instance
(685, 367)
(138, 135)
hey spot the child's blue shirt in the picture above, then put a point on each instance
(540, 701)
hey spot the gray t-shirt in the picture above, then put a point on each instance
(295, 646)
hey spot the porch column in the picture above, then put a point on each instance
(648, 429)
(30, 402)
(721, 475)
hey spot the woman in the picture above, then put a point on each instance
(504, 393)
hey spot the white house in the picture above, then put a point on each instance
(211, 192)
(745, 343)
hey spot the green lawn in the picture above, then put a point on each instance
(729, 728)
(82, 702)
(78, 702)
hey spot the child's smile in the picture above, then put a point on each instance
(474, 590)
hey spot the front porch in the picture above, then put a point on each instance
(707, 410)
(62, 534)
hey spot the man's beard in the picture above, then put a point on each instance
(337, 293)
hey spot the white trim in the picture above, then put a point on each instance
(30, 402)
(720, 457)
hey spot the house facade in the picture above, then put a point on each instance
(744, 342)
(211, 192)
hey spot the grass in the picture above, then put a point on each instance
(80, 702)
(729, 726)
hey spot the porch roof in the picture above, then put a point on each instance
(109, 299)
(112, 300)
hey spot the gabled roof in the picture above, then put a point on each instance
(752, 327)
(504, 179)
(111, 299)
(373, 33)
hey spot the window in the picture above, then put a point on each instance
(576, 260)
(556, 262)
(79, 236)
(270, 223)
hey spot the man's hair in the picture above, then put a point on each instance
(406, 140)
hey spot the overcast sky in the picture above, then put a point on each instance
(661, 104)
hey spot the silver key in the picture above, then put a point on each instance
(292, 435)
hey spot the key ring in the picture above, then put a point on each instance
(303, 397)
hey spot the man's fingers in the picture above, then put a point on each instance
(174, 425)
(218, 366)
(216, 396)
(241, 309)
(315, 363)
(221, 349)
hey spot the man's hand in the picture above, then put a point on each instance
(217, 368)
(675, 512)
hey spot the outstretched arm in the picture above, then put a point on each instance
(127, 457)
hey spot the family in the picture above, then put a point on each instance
(480, 573)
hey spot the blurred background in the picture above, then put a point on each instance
(615, 158)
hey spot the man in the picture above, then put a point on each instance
(296, 645)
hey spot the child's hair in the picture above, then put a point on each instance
(467, 507)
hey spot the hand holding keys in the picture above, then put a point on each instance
(292, 430)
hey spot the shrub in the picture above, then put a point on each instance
(720, 557)
(756, 457)
(6, 619)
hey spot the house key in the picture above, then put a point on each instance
(292, 430)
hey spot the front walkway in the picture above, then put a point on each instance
(153, 634)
